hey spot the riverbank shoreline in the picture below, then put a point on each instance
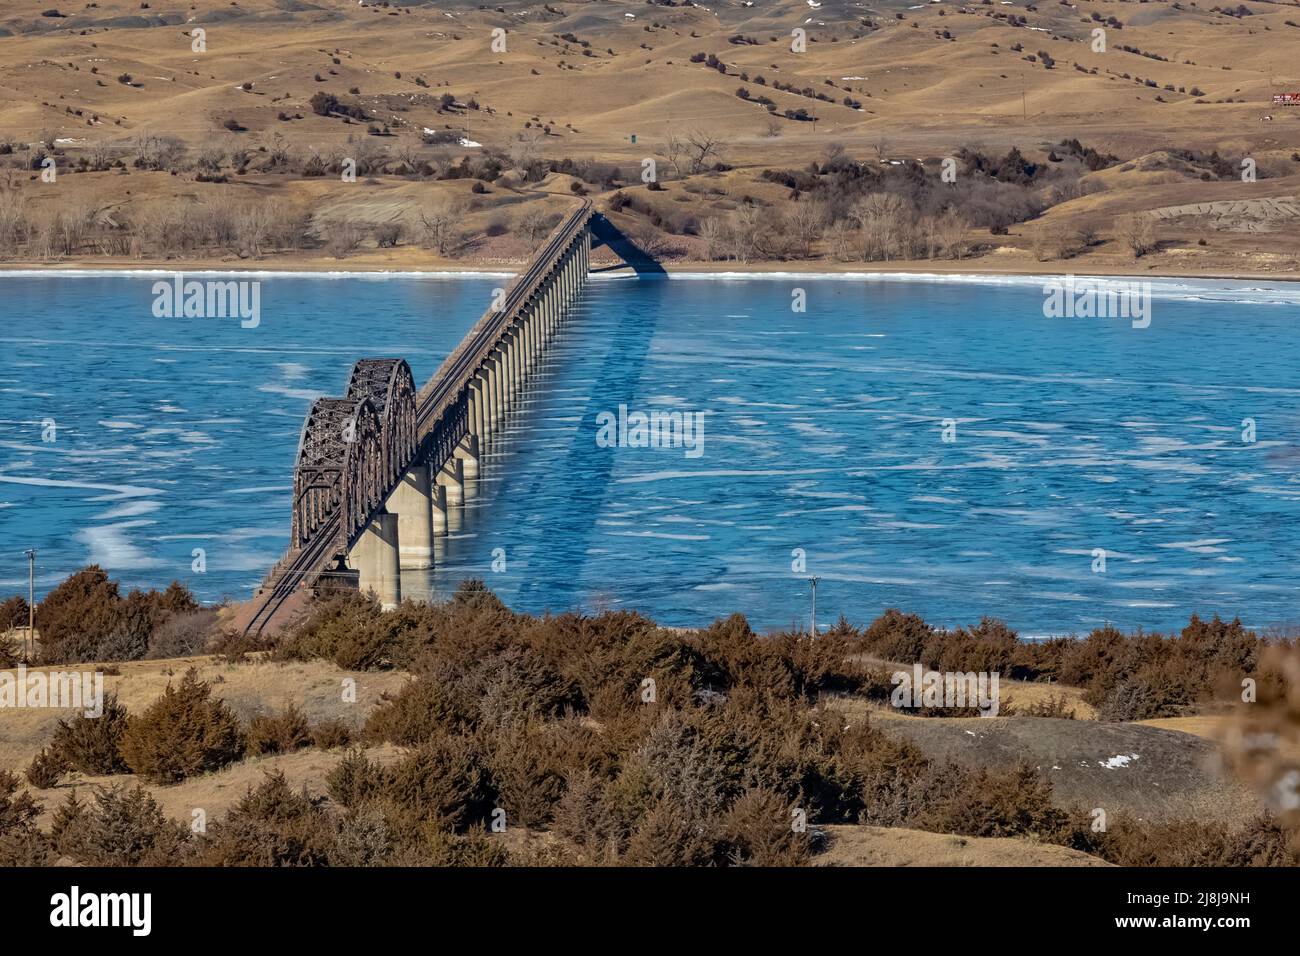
(373, 267)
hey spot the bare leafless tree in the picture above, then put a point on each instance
(842, 241)
(145, 148)
(534, 224)
(703, 148)
(210, 158)
(409, 154)
(278, 150)
(368, 155)
(100, 156)
(439, 227)
(387, 234)
(13, 221)
(253, 224)
(713, 232)
(342, 238)
(952, 229)
(693, 150)
(648, 239)
(885, 221)
(744, 233)
(1139, 233)
(806, 221)
(524, 148)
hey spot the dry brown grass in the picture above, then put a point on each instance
(849, 845)
(259, 686)
(923, 95)
(215, 793)
(1207, 726)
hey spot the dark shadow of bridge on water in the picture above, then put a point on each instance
(609, 235)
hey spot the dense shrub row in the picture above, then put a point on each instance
(1126, 676)
(86, 618)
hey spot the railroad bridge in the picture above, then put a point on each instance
(379, 468)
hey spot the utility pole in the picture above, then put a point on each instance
(31, 604)
(814, 605)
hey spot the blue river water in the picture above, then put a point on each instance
(935, 445)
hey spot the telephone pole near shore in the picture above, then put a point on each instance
(31, 605)
(814, 581)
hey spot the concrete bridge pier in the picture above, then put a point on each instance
(467, 452)
(521, 348)
(534, 331)
(492, 373)
(525, 346)
(452, 477)
(410, 502)
(511, 339)
(511, 362)
(476, 398)
(500, 398)
(493, 404)
(375, 558)
(438, 508)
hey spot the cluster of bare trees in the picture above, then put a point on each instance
(880, 226)
(13, 221)
(272, 152)
(248, 229)
(150, 230)
(764, 232)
